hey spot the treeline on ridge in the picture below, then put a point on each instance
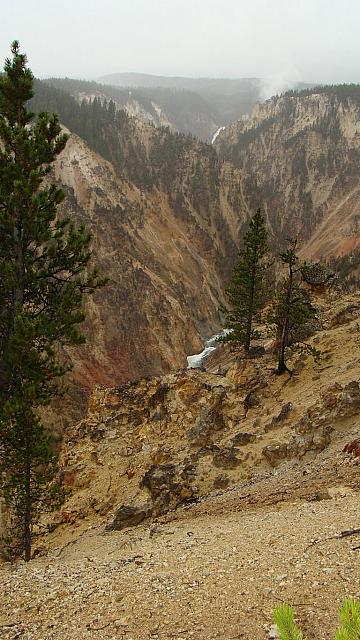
(112, 133)
(341, 91)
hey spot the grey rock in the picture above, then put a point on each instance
(128, 516)
(275, 453)
(226, 458)
(243, 438)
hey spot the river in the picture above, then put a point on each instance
(196, 361)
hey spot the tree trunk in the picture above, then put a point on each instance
(250, 311)
(17, 300)
(281, 368)
(27, 514)
(19, 259)
(285, 328)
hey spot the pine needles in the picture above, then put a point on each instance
(349, 616)
(350, 620)
(284, 620)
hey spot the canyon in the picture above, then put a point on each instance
(168, 213)
(195, 500)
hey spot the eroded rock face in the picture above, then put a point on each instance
(210, 420)
(150, 446)
(168, 252)
(280, 418)
(344, 316)
(242, 439)
(353, 448)
(300, 155)
(165, 439)
(227, 458)
(312, 433)
(275, 453)
(170, 485)
(169, 246)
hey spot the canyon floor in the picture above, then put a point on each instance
(216, 567)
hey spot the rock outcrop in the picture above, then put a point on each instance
(149, 446)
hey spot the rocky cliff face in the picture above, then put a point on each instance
(168, 251)
(148, 446)
(302, 157)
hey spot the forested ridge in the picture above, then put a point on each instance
(112, 133)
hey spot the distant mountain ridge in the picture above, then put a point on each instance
(182, 111)
(196, 106)
(227, 98)
(225, 85)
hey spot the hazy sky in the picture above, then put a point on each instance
(314, 40)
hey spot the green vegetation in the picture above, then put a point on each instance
(343, 92)
(248, 137)
(291, 310)
(246, 292)
(188, 111)
(348, 630)
(348, 268)
(44, 273)
(107, 130)
(113, 134)
(284, 620)
(329, 126)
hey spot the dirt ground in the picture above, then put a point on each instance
(213, 570)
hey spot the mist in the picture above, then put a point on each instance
(281, 41)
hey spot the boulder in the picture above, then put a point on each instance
(349, 313)
(256, 352)
(275, 453)
(280, 418)
(317, 274)
(352, 448)
(209, 421)
(251, 400)
(221, 482)
(243, 438)
(169, 485)
(128, 516)
(226, 458)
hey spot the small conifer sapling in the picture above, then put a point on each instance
(246, 292)
(291, 310)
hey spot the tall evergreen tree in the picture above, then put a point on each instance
(291, 310)
(44, 272)
(247, 288)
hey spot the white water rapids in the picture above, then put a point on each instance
(196, 361)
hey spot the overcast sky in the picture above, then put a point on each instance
(309, 40)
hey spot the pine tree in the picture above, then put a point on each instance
(247, 288)
(291, 310)
(44, 272)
